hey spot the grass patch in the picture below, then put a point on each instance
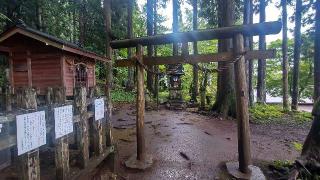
(297, 146)
(302, 116)
(282, 163)
(163, 96)
(266, 114)
(120, 95)
(262, 113)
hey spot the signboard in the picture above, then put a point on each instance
(99, 109)
(31, 131)
(63, 121)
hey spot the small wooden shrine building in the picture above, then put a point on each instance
(39, 60)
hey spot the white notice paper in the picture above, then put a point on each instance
(31, 131)
(99, 109)
(63, 121)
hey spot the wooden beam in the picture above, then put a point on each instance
(193, 59)
(242, 107)
(38, 56)
(4, 49)
(265, 28)
(7, 141)
(93, 163)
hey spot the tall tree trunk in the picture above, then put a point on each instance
(297, 50)
(225, 101)
(203, 88)
(285, 64)
(109, 75)
(150, 75)
(74, 24)
(13, 12)
(82, 23)
(317, 53)
(311, 147)
(248, 19)
(156, 68)
(251, 69)
(130, 81)
(261, 86)
(195, 68)
(175, 71)
(175, 23)
(39, 15)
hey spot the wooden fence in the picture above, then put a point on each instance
(67, 157)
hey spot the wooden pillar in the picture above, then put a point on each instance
(29, 69)
(109, 75)
(49, 96)
(62, 158)
(141, 154)
(242, 105)
(80, 101)
(30, 165)
(8, 98)
(98, 129)
(62, 144)
(29, 162)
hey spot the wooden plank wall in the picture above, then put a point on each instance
(46, 73)
(69, 74)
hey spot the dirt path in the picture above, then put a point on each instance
(207, 141)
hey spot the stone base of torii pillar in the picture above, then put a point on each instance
(233, 170)
(134, 163)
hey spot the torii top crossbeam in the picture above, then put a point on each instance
(265, 28)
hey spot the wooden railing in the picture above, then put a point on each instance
(88, 139)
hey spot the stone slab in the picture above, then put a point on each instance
(233, 170)
(134, 163)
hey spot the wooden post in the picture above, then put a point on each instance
(49, 96)
(62, 144)
(109, 84)
(141, 160)
(30, 165)
(8, 98)
(80, 101)
(242, 106)
(141, 154)
(98, 129)
(29, 69)
(30, 162)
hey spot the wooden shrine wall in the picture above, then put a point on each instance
(70, 62)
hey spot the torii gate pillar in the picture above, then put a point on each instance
(141, 160)
(243, 168)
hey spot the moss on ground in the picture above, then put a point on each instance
(120, 95)
(266, 114)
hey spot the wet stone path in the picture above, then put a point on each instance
(186, 145)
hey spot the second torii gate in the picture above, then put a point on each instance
(241, 169)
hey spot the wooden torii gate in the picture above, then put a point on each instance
(238, 55)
